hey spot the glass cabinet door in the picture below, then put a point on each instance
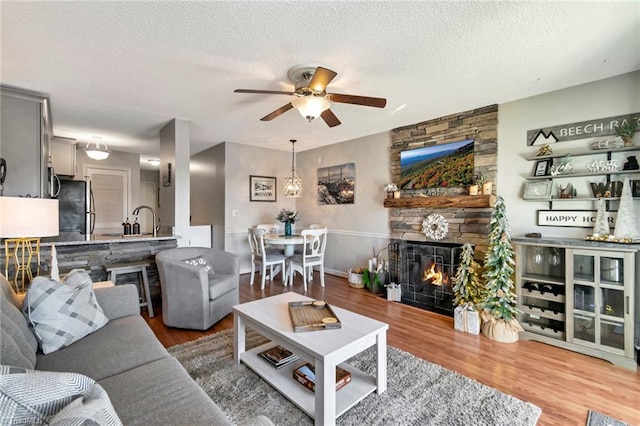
(583, 268)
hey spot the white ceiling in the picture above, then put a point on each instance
(122, 70)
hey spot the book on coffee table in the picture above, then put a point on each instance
(278, 356)
(306, 375)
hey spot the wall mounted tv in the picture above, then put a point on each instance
(439, 166)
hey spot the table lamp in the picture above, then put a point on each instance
(22, 222)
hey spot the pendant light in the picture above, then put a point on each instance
(293, 184)
(97, 150)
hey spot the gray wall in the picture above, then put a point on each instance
(604, 98)
(208, 191)
(355, 230)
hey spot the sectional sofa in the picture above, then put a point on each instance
(144, 383)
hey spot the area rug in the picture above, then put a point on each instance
(418, 393)
(599, 419)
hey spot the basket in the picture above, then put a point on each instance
(355, 280)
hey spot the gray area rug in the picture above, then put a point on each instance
(599, 419)
(419, 392)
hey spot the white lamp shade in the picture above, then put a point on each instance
(310, 107)
(28, 217)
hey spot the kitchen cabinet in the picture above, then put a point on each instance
(25, 122)
(580, 295)
(63, 156)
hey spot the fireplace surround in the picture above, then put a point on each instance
(424, 270)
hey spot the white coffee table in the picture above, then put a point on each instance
(325, 348)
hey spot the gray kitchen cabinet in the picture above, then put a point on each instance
(63, 156)
(25, 123)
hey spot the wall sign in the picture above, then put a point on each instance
(571, 218)
(581, 130)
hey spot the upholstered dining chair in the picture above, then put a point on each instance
(315, 242)
(259, 254)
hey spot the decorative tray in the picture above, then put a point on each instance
(313, 315)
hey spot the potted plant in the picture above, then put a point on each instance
(288, 217)
(626, 130)
(478, 180)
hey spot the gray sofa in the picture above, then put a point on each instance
(193, 297)
(145, 384)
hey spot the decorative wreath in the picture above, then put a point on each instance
(435, 227)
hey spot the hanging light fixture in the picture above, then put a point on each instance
(310, 107)
(293, 184)
(96, 149)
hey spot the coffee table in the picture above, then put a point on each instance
(326, 349)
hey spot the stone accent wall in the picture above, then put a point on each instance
(465, 225)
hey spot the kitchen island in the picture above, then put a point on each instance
(92, 254)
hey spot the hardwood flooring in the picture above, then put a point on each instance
(563, 383)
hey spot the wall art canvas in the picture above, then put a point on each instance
(262, 188)
(438, 166)
(336, 184)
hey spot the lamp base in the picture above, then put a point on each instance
(22, 251)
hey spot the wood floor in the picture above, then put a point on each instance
(563, 383)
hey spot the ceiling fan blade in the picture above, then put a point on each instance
(330, 118)
(277, 112)
(263, 92)
(358, 100)
(321, 78)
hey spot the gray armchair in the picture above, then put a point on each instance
(192, 297)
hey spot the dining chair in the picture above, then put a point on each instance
(271, 228)
(259, 254)
(315, 242)
(316, 226)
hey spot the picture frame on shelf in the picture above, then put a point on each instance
(538, 190)
(262, 188)
(542, 167)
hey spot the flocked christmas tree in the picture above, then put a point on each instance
(601, 227)
(626, 221)
(467, 287)
(500, 298)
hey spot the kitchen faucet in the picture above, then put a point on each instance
(156, 228)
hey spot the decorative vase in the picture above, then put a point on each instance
(287, 229)
(390, 195)
(486, 188)
(473, 190)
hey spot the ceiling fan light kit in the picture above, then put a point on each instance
(310, 107)
(97, 150)
(311, 99)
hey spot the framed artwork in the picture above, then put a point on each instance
(262, 188)
(538, 190)
(336, 184)
(542, 167)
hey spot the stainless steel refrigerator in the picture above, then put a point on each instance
(77, 209)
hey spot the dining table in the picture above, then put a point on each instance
(288, 241)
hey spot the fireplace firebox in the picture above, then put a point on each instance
(424, 270)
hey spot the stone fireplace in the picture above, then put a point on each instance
(466, 224)
(424, 271)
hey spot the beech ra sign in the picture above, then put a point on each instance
(573, 218)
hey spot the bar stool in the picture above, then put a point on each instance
(113, 269)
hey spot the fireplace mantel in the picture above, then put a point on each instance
(442, 202)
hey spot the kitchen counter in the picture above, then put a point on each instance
(71, 239)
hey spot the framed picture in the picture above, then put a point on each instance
(336, 184)
(542, 167)
(538, 190)
(262, 188)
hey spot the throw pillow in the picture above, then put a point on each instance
(61, 313)
(202, 263)
(44, 397)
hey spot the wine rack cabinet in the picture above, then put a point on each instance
(579, 295)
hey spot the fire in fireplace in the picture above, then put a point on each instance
(436, 277)
(423, 270)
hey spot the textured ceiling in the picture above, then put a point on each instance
(122, 70)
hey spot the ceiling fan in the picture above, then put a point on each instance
(310, 96)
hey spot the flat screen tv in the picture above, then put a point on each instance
(439, 166)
